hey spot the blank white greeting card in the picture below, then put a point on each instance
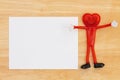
(43, 43)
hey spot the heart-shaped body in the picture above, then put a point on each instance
(91, 20)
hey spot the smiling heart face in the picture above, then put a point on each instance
(91, 20)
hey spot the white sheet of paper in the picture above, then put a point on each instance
(43, 43)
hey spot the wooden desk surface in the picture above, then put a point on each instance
(107, 42)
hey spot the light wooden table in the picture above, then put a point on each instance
(107, 42)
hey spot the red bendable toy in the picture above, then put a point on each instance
(91, 22)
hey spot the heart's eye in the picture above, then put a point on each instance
(91, 19)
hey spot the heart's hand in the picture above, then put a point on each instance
(114, 24)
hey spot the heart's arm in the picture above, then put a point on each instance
(80, 27)
(104, 26)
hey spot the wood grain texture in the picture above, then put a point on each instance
(107, 42)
